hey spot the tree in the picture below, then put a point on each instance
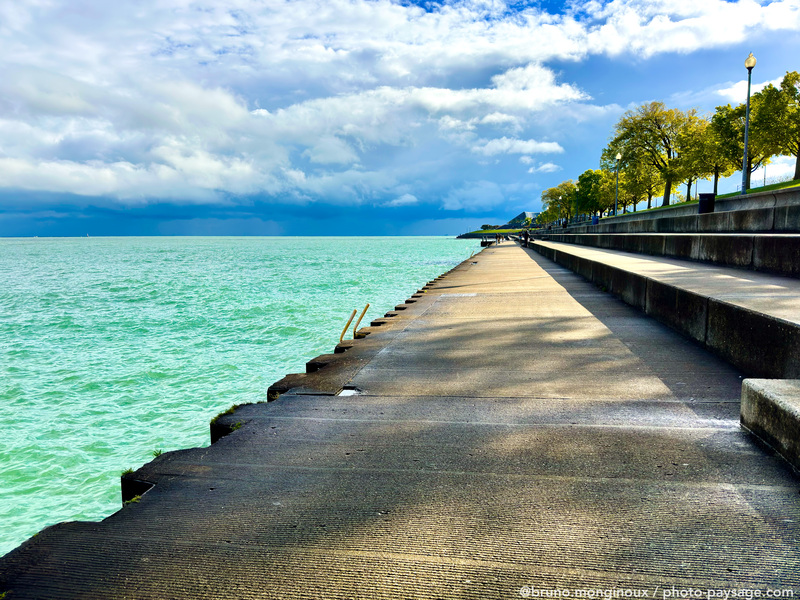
(560, 200)
(651, 132)
(695, 163)
(778, 118)
(728, 122)
(592, 192)
(548, 215)
(722, 159)
(639, 180)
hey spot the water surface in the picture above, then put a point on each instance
(113, 348)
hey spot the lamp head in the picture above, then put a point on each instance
(619, 156)
(750, 61)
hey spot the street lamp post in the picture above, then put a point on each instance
(749, 62)
(616, 193)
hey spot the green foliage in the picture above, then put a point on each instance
(594, 193)
(228, 411)
(652, 133)
(776, 118)
(493, 231)
(127, 471)
(661, 147)
(157, 452)
(559, 202)
(134, 500)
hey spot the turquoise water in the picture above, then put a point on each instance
(112, 348)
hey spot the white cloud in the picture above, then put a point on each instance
(737, 93)
(781, 168)
(545, 168)
(344, 101)
(404, 200)
(506, 145)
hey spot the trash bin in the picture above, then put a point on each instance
(706, 203)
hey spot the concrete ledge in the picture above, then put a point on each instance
(771, 410)
(680, 309)
(762, 342)
(772, 253)
(758, 343)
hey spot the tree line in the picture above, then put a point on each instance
(663, 149)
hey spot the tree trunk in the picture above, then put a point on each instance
(667, 193)
(747, 175)
(716, 178)
(649, 200)
(689, 190)
(797, 163)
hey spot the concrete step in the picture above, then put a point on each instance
(750, 319)
(771, 410)
(772, 252)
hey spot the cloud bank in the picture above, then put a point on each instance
(346, 102)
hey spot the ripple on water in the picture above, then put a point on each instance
(111, 348)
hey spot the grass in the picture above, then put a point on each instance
(134, 500)
(157, 452)
(494, 231)
(766, 188)
(127, 471)
(230, 411)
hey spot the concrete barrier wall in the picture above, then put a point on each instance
(756, 343)
(772, 253)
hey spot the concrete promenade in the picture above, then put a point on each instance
(514, 431)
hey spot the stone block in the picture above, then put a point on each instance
(664, 224)
(777, 254)
(682, 310)
(733, 250)
(617, 242)
(631, 288)
(680, 246)
(646, 244)
(754, 219)
(759, 345)
(319, 362)
(685, 223)
(584, 268)
(771, 410)
(787, 218)
(716, 222)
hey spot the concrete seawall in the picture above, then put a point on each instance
(507, 431)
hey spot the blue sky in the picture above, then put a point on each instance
(273, 117)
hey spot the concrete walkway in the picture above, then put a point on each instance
(516, 431)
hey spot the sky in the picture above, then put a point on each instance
(344, 117)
